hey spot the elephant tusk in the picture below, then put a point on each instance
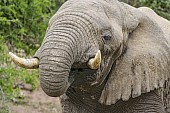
(25, 63)
(95, 62)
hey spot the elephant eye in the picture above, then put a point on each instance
(106, 37)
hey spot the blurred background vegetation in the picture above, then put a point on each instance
(22, 27)
(161, 7)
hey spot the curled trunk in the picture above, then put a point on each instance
(63, 45)
(57, 56)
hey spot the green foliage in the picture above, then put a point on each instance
(22, 25)
(23, 22)
(10, 76)
(17, 76)
(161, 7)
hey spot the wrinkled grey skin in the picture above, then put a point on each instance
(127, 38)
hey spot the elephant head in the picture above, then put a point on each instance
(107, 39)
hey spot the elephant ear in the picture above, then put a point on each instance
(143, 67)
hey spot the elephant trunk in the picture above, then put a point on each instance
(58, 53)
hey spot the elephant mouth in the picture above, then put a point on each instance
(82, 77)
(86, 74)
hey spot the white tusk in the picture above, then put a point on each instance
(95, 62)
(25, 63)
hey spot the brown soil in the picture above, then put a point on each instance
(36, 102)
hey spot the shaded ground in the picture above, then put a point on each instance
(37, 102)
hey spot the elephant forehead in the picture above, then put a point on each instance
(83, 4)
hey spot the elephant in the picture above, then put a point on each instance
(104, 56)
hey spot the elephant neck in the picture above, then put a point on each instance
(85, 103)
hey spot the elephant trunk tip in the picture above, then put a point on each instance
(54, 88)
